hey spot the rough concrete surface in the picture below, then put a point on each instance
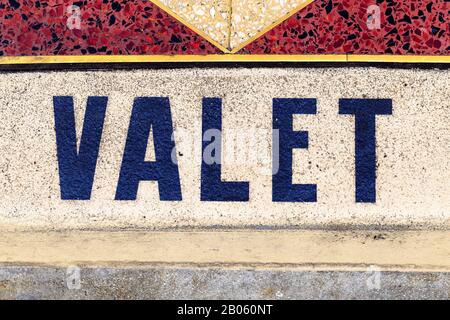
(152, 282)
(409, 224)
(412, 148)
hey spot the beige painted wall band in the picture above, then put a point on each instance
(327, 250)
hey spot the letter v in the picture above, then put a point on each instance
(77, 167)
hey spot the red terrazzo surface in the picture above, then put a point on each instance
(123, 27)
(127, 27)
(340, 26)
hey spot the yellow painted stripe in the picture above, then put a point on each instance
(398, 58)
(328, 250)
(5, 60)
(169, 58)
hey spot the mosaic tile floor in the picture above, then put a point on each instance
(343, 26)
(205, 27)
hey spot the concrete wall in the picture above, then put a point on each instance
(412, 148)
(216, 283)
(252, 249)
